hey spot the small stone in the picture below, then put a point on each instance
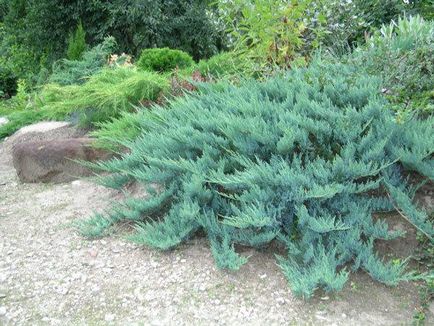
(183, 260)
(202, 288)
(93, 253)
(3, 311)
(3, 295)
(344, 316)
(325, 298)
(76, 183)
(109, 317)
(319, 316)
(262, 276)
(280, 300)
(64, 291)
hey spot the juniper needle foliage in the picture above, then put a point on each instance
(305, 159)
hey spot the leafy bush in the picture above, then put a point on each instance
(402, 54)
(424, 8)
(77, 43)
(68, 72)
(164, 59)
(348, 22)
(273, 33)
(8, 83)
(104, 95)
(304, 159)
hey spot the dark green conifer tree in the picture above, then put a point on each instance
(76, 43)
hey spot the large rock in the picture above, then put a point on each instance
(54, 160)
(45, 130)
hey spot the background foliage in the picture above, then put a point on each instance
(136, 25)
(402, 54)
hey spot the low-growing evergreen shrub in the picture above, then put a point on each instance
(68, 72)
(115, 133)
(164, 60)
(105, 95)
(305, 159)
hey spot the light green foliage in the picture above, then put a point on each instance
(19, 111)
(164, 60)
(68, 72)
(19, 119)
(117, 132)
(299, 159)
(226, 65)
(105, 95)
(112, 134)
(401, 53)
(273, 33)
(76, 43)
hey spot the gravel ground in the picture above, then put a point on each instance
(49, 275)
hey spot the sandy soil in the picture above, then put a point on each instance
(49, 275)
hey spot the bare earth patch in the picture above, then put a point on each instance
(50, 275)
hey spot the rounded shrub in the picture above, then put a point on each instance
(8, 83)
(164, 59)
(305, 160)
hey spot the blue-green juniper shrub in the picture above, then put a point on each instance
(305, 159)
